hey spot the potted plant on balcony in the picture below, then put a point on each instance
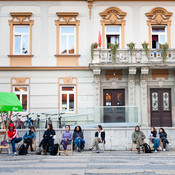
(93, 46)
(164, 48)
(113, 48)
(145, 48)
(131, 47)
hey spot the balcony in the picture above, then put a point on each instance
(123, 58)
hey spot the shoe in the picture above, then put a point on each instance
(97, 151)
(91, 148)
(160, 149)
(155, 151)
(15, 154)
(169, 144)
(164, 149)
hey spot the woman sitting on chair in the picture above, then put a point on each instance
(66, 138)
(48, 139)
(78, 138)
(29, 136)
(99, 138)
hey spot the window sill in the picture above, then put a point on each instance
(67, 55)
(20, 56)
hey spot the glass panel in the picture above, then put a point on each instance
(157, 29)
(64, 102)
(17, 44)
(162, 39)
(63, 44)
(108, 99)
(112, 29)
(24, 102)
(67, 88)
(67, 30)
(21, 89)
(71, 102)
(166, 106)
(119, 99)
(155, 101)
(25, 45)
(22, 29)
(18, 97)
(71, 45)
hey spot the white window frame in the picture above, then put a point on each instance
(159, 33)
(22, 93)
(68, 92)
(68, 34)
(14, 34)
(112, 33)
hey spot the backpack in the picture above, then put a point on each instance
(54, 150)
(22, 150)
(147, 148)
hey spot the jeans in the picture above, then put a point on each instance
(78, 142)
(15, 140)
(65, 143)
(165, 141)
(28, 141)
(156, 143)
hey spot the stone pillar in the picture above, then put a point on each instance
(131, 114)
(144, 96)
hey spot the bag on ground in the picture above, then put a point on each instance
(147, 148)
(22, 150)
(54, 150)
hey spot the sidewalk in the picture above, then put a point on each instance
(89, 163)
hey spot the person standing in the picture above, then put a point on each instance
(138, 137)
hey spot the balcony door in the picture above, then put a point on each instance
(111, 99)
(161, 114)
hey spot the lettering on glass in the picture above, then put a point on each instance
(155, 101)
(166, 106)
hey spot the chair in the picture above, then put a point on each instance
(134, 147)
(3, 133)
(61, 150)
(33, 144)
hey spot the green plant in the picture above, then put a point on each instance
(164, 48)
(131, 47)
(145, 47)
(93, 46)
(113, 48)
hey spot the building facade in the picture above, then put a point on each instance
(47, 60)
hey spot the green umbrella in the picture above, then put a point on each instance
(9, 102)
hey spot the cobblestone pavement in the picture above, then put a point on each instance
(90, 163)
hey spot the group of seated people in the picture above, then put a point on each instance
(155, 137)
(77, 136)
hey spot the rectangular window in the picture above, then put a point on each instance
(67, 40)
(22, 94)
(21, 40)
(68, 99)
(113, 34)
(159, 35)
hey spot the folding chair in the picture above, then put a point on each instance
(33, 144)
(3, 133)
(134, 147)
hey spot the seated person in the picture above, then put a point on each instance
(138, 137)
(66, 138)
(48, 139)
(12, 137)
(155, 139)
(99, 138)
(163, 138)
(78, 138)
(29, 136)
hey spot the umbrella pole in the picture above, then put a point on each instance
(7, 120)
(2, 120)
(10, 116)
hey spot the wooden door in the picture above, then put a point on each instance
(114, 97)
(161, 110)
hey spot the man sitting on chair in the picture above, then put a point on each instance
(99, 138)
(138, 137)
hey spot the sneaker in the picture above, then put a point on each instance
(164, 149)
(169, 144)
(91, 148)
(15, 154)
(97, 151)
(155, 151)
(160, 149)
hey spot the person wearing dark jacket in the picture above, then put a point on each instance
(163, 138)
(138, 137)
(48, 139)
(78, 138)
(99, 138)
